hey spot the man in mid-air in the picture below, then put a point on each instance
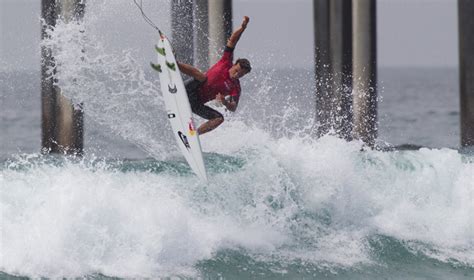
(219, 82)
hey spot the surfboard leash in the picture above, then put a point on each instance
(145, 17)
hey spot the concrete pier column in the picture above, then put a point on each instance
(365, 70)
(220, 27)
(322, 66)
(182, 30)
(340, 46)
(201, 39)
(62, 123)
(48, 93)
(466, 70)
(69, 118)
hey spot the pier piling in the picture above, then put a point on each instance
(201, 23)
(182, 30)
(466, 70)
(62, 123)
(48, 93)
(220, 27)
(364, 71)
(333, 57)
(322, 62)
(340, 46)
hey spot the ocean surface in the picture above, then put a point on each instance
(280, 203)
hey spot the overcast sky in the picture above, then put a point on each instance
(410, 32)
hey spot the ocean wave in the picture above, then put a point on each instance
(285, 201)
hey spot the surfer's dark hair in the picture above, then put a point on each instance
(244, 64)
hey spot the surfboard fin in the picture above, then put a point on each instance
(160, 50)
(171, 66)
(157, 67)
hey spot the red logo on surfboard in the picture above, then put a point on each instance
(192, 130)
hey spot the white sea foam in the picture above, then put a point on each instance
(424, 196)
(318, 202)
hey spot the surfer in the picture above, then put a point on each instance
(220, 83)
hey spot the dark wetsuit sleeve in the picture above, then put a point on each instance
(228, 55)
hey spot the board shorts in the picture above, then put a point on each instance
(197, 107)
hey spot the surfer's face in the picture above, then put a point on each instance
(237, 72)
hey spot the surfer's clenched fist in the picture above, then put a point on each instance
(245, 22)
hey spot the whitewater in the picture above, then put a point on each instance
(292, 204)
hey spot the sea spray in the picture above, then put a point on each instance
(111, 82)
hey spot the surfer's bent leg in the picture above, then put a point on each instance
(213, 122)
(214, 117)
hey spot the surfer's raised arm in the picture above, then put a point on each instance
(192, 71)
(234, 38)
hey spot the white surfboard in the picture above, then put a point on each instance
(178, 108)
